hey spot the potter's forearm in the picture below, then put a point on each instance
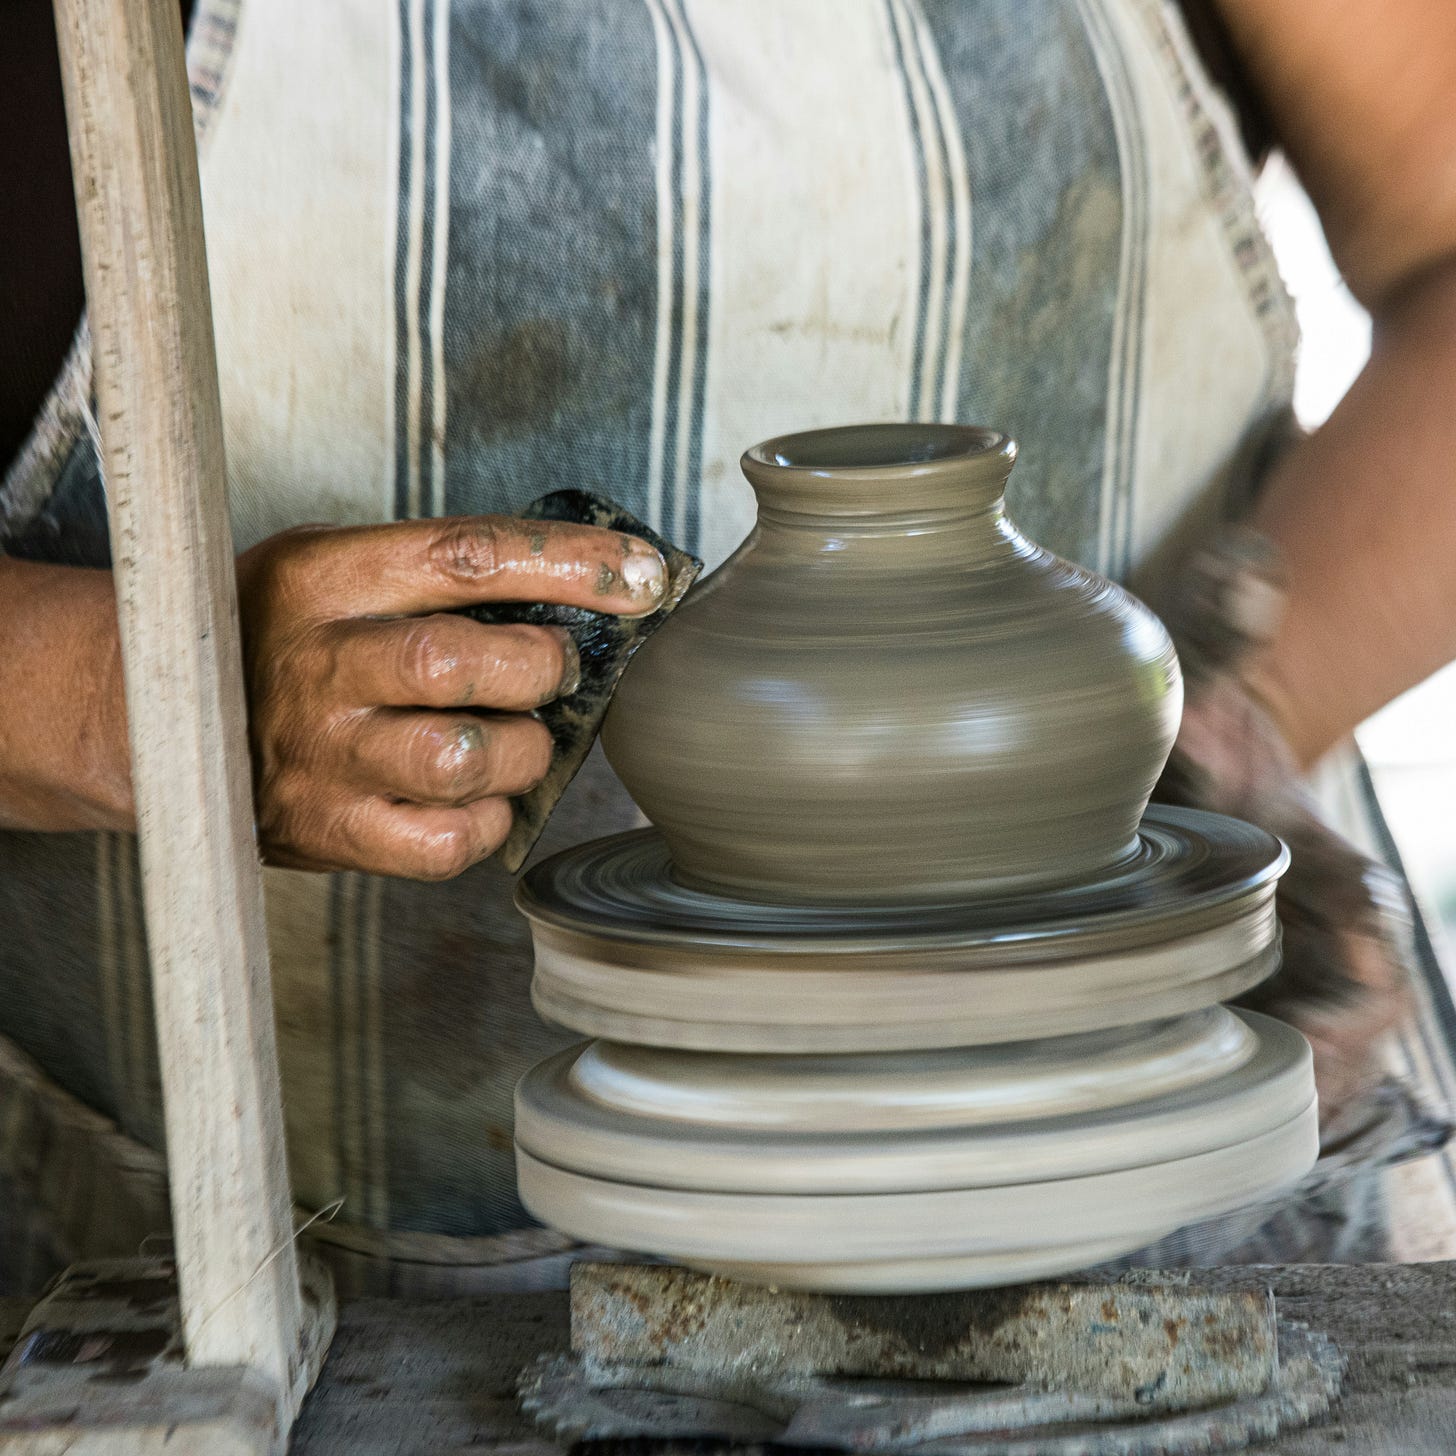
(1364, 512)
(63, 748)
(1359, 95)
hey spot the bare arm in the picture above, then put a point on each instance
(1360, 93)
(388, 732)
(63, 749)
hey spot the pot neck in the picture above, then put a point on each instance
(859, 488)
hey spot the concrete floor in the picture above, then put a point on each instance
(440, 1377)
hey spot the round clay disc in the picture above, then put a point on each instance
(898, 1093)
(943, 1238)
(625, 952)
(978, 1117)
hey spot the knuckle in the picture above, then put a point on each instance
(298, 539)
(282, 791)
(288, 817)
(292, 556)
(453, 756)
(530, 664)
(524, 756)
(295, 678)
(427, 657)
(447, 854)
(470, 549)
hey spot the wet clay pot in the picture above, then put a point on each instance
(888, 693)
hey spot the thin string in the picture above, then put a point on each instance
(325, 1215)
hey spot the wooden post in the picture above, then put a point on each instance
(137, 190)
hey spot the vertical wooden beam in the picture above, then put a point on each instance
(137, 191)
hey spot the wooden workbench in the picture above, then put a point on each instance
(406, 1378)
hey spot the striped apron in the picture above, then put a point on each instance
(465, 251)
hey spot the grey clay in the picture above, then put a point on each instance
(889, 694)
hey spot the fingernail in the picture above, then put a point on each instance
(644, 573)
(571, 674)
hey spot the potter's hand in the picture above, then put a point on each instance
(387, 734)
(1344, 976)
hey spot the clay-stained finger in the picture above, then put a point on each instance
(405, 568)
(407, 841)
(444, 661)
(449, 759)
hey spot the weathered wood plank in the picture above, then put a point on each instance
(212, 1412)
(98, 1367)
(137, 191)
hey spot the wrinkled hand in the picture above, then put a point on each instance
(1344, 980)
(388, 735)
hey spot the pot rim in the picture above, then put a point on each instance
(855, 469)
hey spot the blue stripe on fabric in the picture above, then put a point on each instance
(367, 930)
(339, 1083)
(142, 1101)
(549, 340)
(692, 528)
(1046, 188)
(946, 284)
(54, 1007)
(403, 506)
(1441, 1054)
(1129, 367)
(71, 529)
(364, 1173)
(667, 522)
(918, 385)
(1428, 962)
(426, 456)
(549, 347)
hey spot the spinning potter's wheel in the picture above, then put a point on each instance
(918, 1170)
(625, 951)
(814, 1073)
